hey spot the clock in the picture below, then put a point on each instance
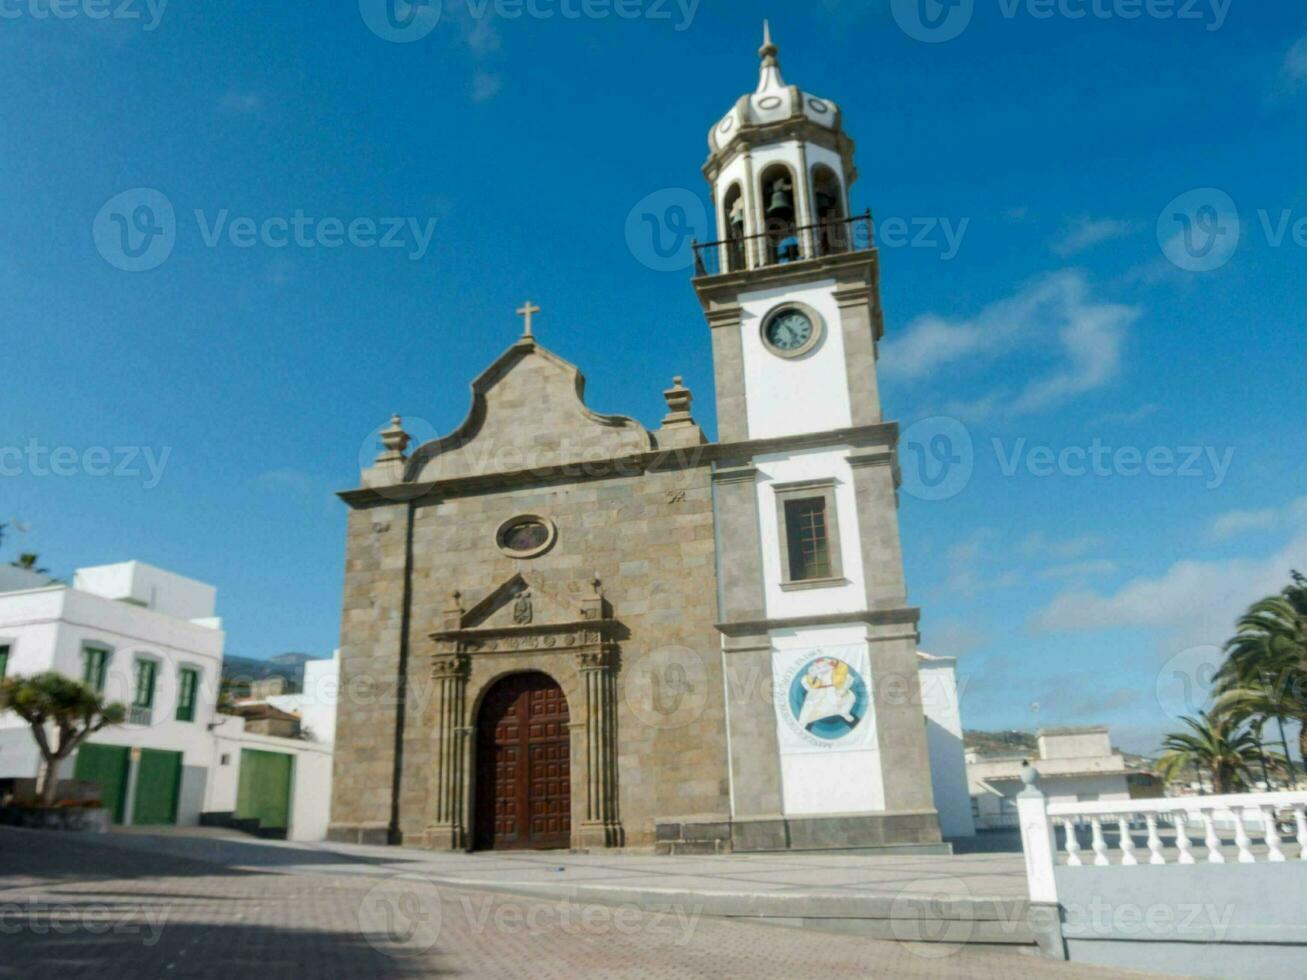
(791, 330)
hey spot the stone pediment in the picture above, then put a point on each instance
(518, 615)
(528, 412)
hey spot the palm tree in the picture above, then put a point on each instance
(75, 710)
(1218, 744)
(1265, 670)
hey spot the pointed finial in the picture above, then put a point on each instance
(771, 67)
(395, 440)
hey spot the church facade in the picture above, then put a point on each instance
(563, 629)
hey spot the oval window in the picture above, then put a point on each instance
(526, 536)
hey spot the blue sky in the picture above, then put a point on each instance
(249, 374)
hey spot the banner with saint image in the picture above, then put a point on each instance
(823, 699)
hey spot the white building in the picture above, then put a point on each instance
(948, 762)
(1076, 765)
(149, 639)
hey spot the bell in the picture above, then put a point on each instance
(825, 204)
(781, 204)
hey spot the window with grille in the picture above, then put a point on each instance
(143, 689)
(809, 542)
(187, 682)
(95, 665)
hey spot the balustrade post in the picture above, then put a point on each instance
(1100, 844)
(1072, 842)
(1154, 840)
(1213, 842)
(1182, 837)
(1241, 839)
(1038, 842)
(1274, 853)
(1300, 823)
(1127, 841)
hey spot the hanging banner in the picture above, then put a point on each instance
(823, 699)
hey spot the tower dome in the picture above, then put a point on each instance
(780, 166)
(773, 102)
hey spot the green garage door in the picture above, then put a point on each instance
(106, 765)
(264, 790)
(158, 782)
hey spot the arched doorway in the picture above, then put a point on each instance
(523, 766)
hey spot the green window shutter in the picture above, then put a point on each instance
(4, 662)
(187, 683)
(144, 694)
(95, 664)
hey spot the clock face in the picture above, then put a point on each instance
(790, 330)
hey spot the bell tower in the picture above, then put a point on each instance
(812, 602)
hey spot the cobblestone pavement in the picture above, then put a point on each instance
(72, 907)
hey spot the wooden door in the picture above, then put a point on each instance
(523, 789)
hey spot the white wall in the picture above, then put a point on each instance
(948, 767)
(828, 780)
(310, 776)
(788, 396)
(144, 585)
(792, 468)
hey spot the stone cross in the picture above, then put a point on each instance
(526, 312)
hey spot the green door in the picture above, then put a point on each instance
(264, 790)
(158, 782)
(106, 765)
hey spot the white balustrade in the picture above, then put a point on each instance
(1250, 818)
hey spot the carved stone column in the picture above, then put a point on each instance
(602, 826)
(449, 673)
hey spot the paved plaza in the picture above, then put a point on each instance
(207, 905)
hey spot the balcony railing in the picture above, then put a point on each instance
(783, 243)
(136, 715)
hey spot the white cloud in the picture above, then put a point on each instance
(486, 85)
(235, 103)
(1056, 311)
(1084, 233)
(971, 565)
(1236, 522)
(1192, 602)
(1037, 545)
(1293, 73)
(1132, 417)
(1080, 569)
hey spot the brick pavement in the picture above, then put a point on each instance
(73, 907)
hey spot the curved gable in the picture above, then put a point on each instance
(528, 411)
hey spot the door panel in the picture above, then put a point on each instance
(106, 765)
(263, 793)
(158, 784)
(523, 792)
